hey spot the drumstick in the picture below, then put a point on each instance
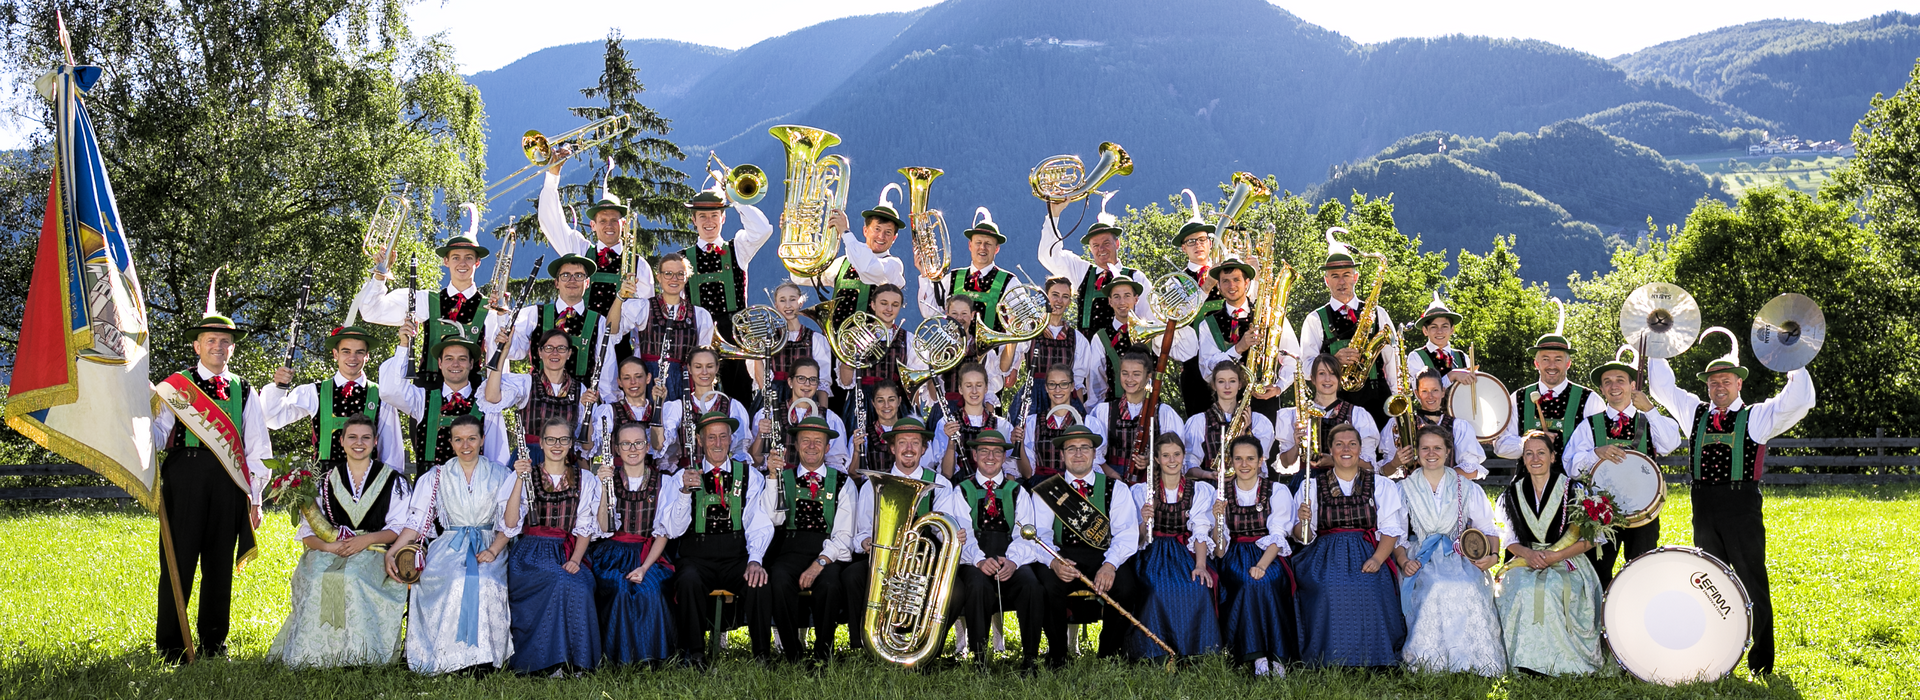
(1033, 536)
(1473, 390)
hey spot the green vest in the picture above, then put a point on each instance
(583, 358)
(1459, 359)
(1211, 322)
(734, 498)
(1530, 419)
(234, 405)
(853, 293)
(434, 422)
(724, 275)
(1096, 496)
(1641, 441)
(987, 302)
(974, 493)
(1333, 345)
(1090, 296)
(328, 424)
(829, 492)
(437, 329)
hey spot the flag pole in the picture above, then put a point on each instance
(173, 569)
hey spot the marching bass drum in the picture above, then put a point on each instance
(1638, 487)
(1482, 403)
(1677, 615)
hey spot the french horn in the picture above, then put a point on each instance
(1023, 311)
(758, 333)
(1064, 178)
(1176, 300)
(860, 340)
(940, 344)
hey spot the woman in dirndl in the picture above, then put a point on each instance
(458, 616)
(346, 612)
(1452, 625)
(1350, 519)
(636, 624)
(555, 625)
(1176, 516)
(1549, 609)
(1258, 618)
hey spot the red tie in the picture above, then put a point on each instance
(973, 281)
(719, 484)
(351, 390)
(993, 499)
(712, 248)
(1546, 395)
(1118, 336)
(1100, 282)
(1717, 415)
(1620, 424)
(1203, 272)
(456, 404)
(1081, 486)
(813, 485)
(604, 258)
(219, 387)
(1350, 313)
(459, 300)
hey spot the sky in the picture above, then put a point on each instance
(488, 34)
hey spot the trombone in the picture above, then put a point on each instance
(538, 148)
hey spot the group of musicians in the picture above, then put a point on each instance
(636, 485)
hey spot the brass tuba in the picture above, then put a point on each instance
(932, 247)
(1023, 311)
(1064, 178)
(816, 187)
(745, 184)
(914, 560)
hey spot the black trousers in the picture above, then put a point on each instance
(709, 563)
(854, 576)
(1631, 541)
(986, 596)
(792, 553)
(207, 513)
(1125, 591)
(1727, 523)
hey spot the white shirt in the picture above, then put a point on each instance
(1768, 419)
(1199, 511)
(1428, 515)
(1058, 260)
(819, 350)
(1090, 356)
(1509, 443)
(1099, 417)
(670, 423)
(929, 306)
(1123, 521)
(1313, 338)
(529, 319)
(873, 268)
(1194, 435)
(838, 546)
(397, 502)
(256, 437)
(1468, 455)
(411, 400)
(758, 518)
(389, 308)
(1211, 354)
(989, 421)
(946, 501)
(837, 453)
(282, 407)
(1417, 363)
(1663, 435)
(1019, 550)
(672, 510)
(586, 512)
(1282, 512)
(1285, 438)
(1389, 510)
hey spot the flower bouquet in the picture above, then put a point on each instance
(1588, 517)
(298, 489)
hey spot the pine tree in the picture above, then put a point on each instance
(654, 191)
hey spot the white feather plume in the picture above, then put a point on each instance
(1104, 217)
(1733, 343)
(1193, 203)
(886, 201)
(1560, 324)
(213, 284)
(473, 220)
(981, 214)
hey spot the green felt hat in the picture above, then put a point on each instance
(1232, 264)
(351, 333)
(553, 268)
(1437, 309)
(462, 242)
(990, 438)
(814, 424)
(1193, 225)
(473, 348)
(1104, 223)
(608, 201)
(711, 417)
(1077, 431)
(1340, 256)
(885, 208)
(1557, 340)
(1138, 288)
(908, 426)
(983, 226)
(1617, 364)
(1729, 362)
(708, 199)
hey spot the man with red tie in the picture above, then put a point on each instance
(1330, 329)
(1102, 241)
(1224, 334)
(725, 547)
(569, 312)
(458, 310)
(1562, 403)
(994, 560)
(330, 402)
(981, 281)
(718, 280)
(1195, 239)
(1103, 558)
(813, 520)
(608, 219)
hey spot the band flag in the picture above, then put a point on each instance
(80, 384)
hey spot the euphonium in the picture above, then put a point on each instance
(1247, 191)
(384, 229)
(745, 184)
(932, 247)
(914, 560)
(816, 187)
(940, 344)
(1064, 178)
(1367, 336)
(1023, 310)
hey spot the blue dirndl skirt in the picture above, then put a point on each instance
(551, 611)
(1347, 618)
(635, 622)
(1258, 618)
(1175, 606)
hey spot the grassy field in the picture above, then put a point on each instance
(1805, 172)
(76, 620)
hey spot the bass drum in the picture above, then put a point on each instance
(1638, 487)
(1483, 403)
(1677, 615)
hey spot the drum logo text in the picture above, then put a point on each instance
(1701, 581)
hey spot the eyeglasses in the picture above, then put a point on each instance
(1060, 385)
(672, 275)
(632, 444)
(573, 277)
(556, 441)
(804, 380)
(555, 348)
(1077, 449)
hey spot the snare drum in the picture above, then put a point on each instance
(1638, 487)
(1482, 402)
(1677, 615)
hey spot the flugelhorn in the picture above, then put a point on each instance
(932, 247)
(1064, 178)
(1023, 311)
(744, 184)
(384, 229)
(911, 582)
(816, 187)
(538, 148)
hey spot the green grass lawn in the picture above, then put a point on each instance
(76, 620)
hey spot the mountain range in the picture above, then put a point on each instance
(984, 89)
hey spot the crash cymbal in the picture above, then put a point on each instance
(1788, 332)
(1662, 316)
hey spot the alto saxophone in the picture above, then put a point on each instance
(1367, 337)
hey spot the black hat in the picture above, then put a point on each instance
(1077, 431)
(553, 268)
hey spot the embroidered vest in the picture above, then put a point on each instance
(1728, 454)
(335, 408)
(1045, 351)
(850, 293)
(580, 334)
(1121, 434)
(470, 314)
(719, 503)
(1095, 312)
(235, 406)
(1563, 411)
(604, 288)
(1249, 521)
(716, 283)
(1047, 459)
(1100, 495)
(1634, 435)
(431, 443)
(555, 508)
(1339, 331)
(1007, 491)
(1447, 360)
(985, 296)
(376, 494)
(634, 508)
(811, 513)
(781, 364)
(1339, 511)
(1171, 518)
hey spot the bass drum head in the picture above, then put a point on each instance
(1637, 485)
(1483, 404)
(1677, 615)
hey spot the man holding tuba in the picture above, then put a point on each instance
(718, 280)
(1102, 241)
(1331, 328)
(863, 265)
(608, 219)
(908, 440)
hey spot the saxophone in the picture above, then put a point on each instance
(1367, 338)
(816, 188)
(1401, 405)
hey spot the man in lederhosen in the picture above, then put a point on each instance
(434, 409)
(1331, 328)
(608, 218)
(1102, 241)
(995, 558)
(1628, 423)
(665, 328)
(982, 280)
(1438, 323)
(210, 482)
(1223, 334)
(719, 277)
(1074, 503)
(813, 538)
(329, 402)
(567, 311)
(457, 310)
(726, 544)
(1561, 402)
(1729, 441)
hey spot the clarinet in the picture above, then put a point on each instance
(608, 460)
(413, 283)
(293, 327)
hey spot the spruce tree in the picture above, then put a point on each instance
(654, 190)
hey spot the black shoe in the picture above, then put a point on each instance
(697, 662)
(1029, 667)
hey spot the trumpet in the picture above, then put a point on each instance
(816, 188)
(538, 148)
(384, 229)
(1367, 338)
(1064, 178)
(746, 184)
(1023, 310)
(932, 247)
